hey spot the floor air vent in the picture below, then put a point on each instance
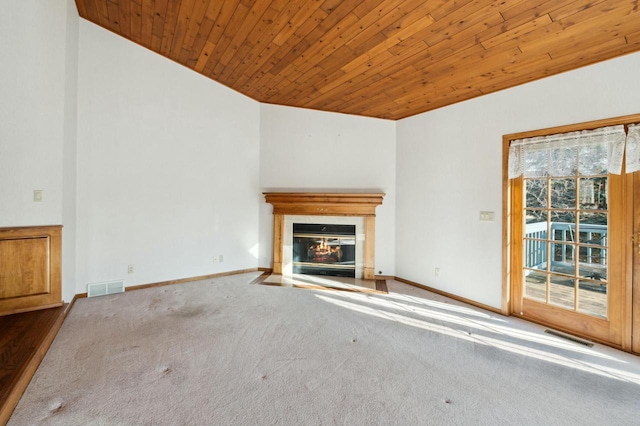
(102, 289)
(570, 338)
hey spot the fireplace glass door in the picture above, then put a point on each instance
(323, 249)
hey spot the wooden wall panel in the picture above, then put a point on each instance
(24, 267)
(30, 268)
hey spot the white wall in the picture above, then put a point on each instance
(37, 119)
(303, 149)
(69, 151)
(32, 106)
(450, 168)
(167, 167)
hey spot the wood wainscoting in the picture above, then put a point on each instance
(325, 204)
(30, 268)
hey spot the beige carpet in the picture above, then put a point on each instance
(226, 352)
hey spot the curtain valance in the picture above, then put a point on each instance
(588, 152)
(632, 163)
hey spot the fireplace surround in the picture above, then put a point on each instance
(353, 209)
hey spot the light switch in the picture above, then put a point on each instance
(37, 195)
(488, 216)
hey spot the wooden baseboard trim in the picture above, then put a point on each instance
(191, 279)
(184, 280)
(384, 277)
(20, 385)
(381, 285)
(268, 271)
(451, 296)
(73, 302)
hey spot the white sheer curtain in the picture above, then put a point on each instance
(589, 152)
(632, 163)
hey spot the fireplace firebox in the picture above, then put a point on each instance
(324, 249)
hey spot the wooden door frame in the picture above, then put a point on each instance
(631, 310)
(632, 212)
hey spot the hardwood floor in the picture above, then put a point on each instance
(24, 341)
(313, 282)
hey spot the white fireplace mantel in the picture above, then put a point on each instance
(324, 204)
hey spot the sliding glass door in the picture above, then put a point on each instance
(574, 232)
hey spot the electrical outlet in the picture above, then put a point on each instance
(130, 269)
(436, 272)
(221, 257)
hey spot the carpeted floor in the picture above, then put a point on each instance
(226, 352)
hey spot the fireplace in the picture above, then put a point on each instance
(330, 210)
(324, 249)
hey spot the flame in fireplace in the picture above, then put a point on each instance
(326, 251)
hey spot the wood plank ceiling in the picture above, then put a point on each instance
(380, 58)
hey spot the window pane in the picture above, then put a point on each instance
(562, 231)
(592, 298)
(536, 190)
(563, 193)
(535, 285)
(593, 236)
(594, 271)
(593, 263)
(536, 216)
(593, 193)
(563, 254)
(587, 219)
(562, 291)
(563, 216)
(535, 254)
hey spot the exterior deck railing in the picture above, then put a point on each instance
(562, 244)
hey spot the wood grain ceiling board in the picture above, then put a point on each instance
(380, 58)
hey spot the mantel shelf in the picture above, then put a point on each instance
(324, 203)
